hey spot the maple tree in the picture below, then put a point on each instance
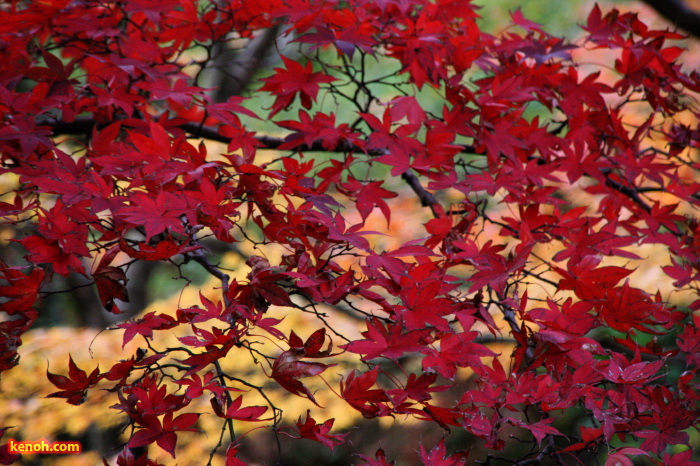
(548, 173)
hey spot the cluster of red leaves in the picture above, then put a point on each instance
(136, 189)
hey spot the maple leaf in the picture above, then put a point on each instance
(439, 153)
(626, 307)
(620, 456)
(288, 368)
(310, 429)
(424, 306)
(225, 111)
(59, 224)
(163, 434)
(409, 108)
(641, 372)
(296, 79)
(177, 90)
(356, 391)
(197, 315)
(155, 214)
(589, 435)
(456, 350)
(196, 385)
(110, 282)
(346, 40)
(495, 270)
(519, 19)
(233, 410)
(671, 420)
(499, 140)
(212, 354)
(111, 285)
(121, 370)
(539, 429)
(231, 456)
(368, 196)
(22, 289)
(682, 273)
(589, 281)
(45, 251)
(206, 338)
(378, 460)
(417, 388)
(311, 348)
(6, 456)
(74, 387)
(390, 341)
(683, 458)
(319, 129)
(395, 144)
(337, 231)
(164, 249)
(587, 245)
(146, 325)
(152, 398)
(438, 456)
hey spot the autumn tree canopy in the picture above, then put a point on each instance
(496, 235)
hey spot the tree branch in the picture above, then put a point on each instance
(427, 199)
(86, 125)
(82, 125)
(677, 12)
(236, 70)
(629, 192)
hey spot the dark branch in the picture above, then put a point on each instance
(629, 192)
(86, 125)
(236, 70)
(426, 197)
(213, 270)
(678, 13)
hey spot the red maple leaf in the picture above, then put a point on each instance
(110, 282)
(390, 341)
(438, 456)
(196, 385)
(356, 390)
(163, 434)
(539, 429)
(319, 129)
(213, 353)
(589, 281)
(155, 214)
(285, 84)
(495, 270)
(163, 249)
(368, 196)
(288, 368)
(310, 429)
(417, 388)
(233, 410)
(74, 387)
(146, 325)
(671, 419)
(378, 460)
(456, 350)
(46, 251)
(22, 289)
(7, 457)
